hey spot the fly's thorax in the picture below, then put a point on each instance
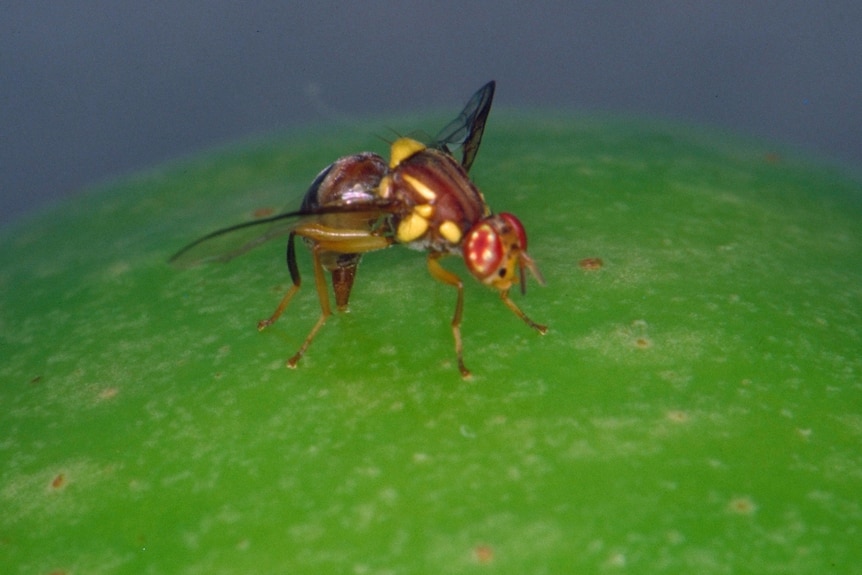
(440, 203)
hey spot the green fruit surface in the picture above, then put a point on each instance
(695, 407)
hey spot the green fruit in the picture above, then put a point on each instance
(696, 406)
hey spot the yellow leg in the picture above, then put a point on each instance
(504, 295)
(325, 310)
(264, 323)
(328, 244)
(297, 282)
(439, 273)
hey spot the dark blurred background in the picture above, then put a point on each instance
(93, 90)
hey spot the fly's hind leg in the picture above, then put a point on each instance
(325, 309)
(297, 282)
(320, 283)
(339, 250)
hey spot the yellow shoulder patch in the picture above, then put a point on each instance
(403, 148)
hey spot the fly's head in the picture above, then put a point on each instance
(495, 251)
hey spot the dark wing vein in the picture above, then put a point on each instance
(466, 130)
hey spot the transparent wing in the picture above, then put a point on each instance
(466, 130)
(227, 243)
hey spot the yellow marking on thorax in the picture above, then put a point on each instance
(424, 210)
(450, 231)
(412, 227)
(419, 187)
(403, 148)
(384, 188)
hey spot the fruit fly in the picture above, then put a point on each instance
(422, 198)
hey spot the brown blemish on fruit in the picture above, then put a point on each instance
(484, 554)
(591, 264)
(742, 506)
(638, 333)
(643, 343)
(262, 213)
(59, 482)
(677, 416)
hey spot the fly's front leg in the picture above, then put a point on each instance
(504, 295)
(441, 274)
(297, 282)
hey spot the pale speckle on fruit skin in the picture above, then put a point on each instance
(638, 343)
(118, 269)
(677, 416)
(617, 559)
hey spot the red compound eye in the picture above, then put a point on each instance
(483, 251)
(518, 228)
